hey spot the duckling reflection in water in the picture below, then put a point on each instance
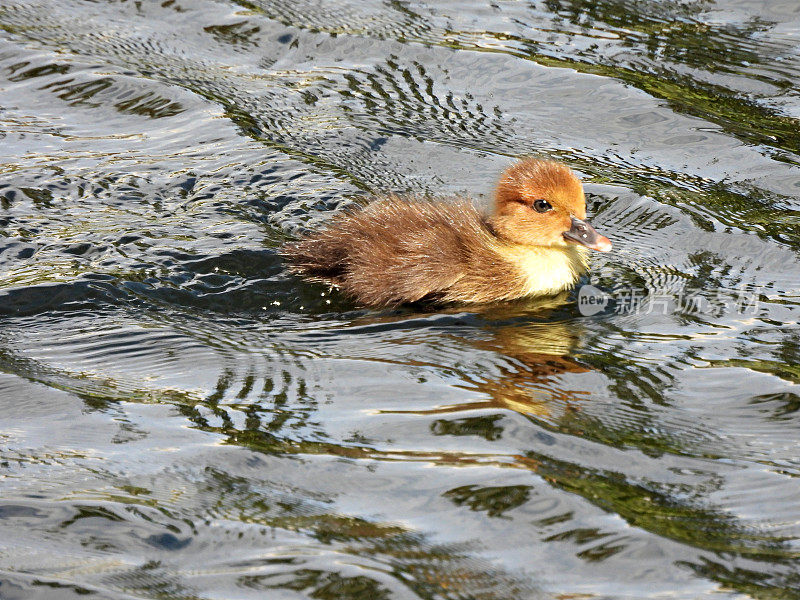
(398, 250)
(527, 367)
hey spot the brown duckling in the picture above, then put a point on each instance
(398, 250)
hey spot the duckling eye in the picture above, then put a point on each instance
(542, 206)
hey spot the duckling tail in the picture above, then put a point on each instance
(317, 257)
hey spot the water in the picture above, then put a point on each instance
(183, 419)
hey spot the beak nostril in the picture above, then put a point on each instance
(583, 233)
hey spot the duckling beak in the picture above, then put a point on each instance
(584, 234)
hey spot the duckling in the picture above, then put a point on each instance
(397, 250)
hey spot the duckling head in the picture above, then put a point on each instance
(541, 203)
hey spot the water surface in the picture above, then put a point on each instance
(180, 418)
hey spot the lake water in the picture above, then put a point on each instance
(182, 419)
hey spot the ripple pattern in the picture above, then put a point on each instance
(183, 419)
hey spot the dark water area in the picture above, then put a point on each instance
(180, 418)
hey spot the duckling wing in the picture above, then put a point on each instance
(394, 250)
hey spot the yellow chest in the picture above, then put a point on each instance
(546, 270)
